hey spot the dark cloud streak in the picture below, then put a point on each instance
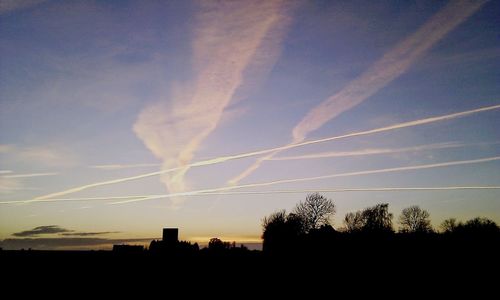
(49, 229)
(89, 233)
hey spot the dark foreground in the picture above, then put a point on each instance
(468, 264)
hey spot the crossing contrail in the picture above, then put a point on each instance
(348, 174)
(123, 166)
(372, 151)
(390, 66)
(222, 159)
(174, 130)
(298, 191)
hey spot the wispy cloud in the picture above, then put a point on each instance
(8, 186)
(227, 37)
(222, 159)
(393, 64)
(375, 151)
(5, 148)
(11, 182)
(7, 6)
(49, 155)
(49, 229)
(122, 166)
(28, 175)
(11, 185)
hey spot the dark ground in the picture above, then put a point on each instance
(371, 265)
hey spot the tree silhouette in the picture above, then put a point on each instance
(413, 219)
(449, 225)
(478, 227)
(216, 244)
(281, 230)
(315, 211)
(354, 222)
(377, 219)
(474, 227)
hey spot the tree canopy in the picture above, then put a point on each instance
(375, 219)
(315, 211)
(413, 219)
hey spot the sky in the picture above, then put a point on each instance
(119, 118)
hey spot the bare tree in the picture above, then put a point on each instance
(449, 225)
(414, 219)
(354, 222)
(315, 211)
(377, 219)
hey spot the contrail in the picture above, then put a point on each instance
(221, 159)
(29, 175)
(371, 151)
(121, 166)
(228, 38)
(320, 190)
(363, 152)
(338, 190)
(348, 174)
(393, 64)
(77, 199)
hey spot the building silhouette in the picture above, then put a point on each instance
(168, 243)
(170, 237)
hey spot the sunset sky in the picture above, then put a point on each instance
(197, 115)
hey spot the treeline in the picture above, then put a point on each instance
(215, 247)
(308, 227)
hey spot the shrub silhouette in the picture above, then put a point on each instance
(281, 231)
(216, 244)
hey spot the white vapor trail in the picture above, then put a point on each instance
(228, 37)
(371, 151)
(393, 64)
(348, 174)
(121, 166)
(222, 159)
(321, 190)
(29, 175)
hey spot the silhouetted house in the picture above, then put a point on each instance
(128, 248)
(170, 237)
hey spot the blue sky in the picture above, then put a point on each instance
(151, 85)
